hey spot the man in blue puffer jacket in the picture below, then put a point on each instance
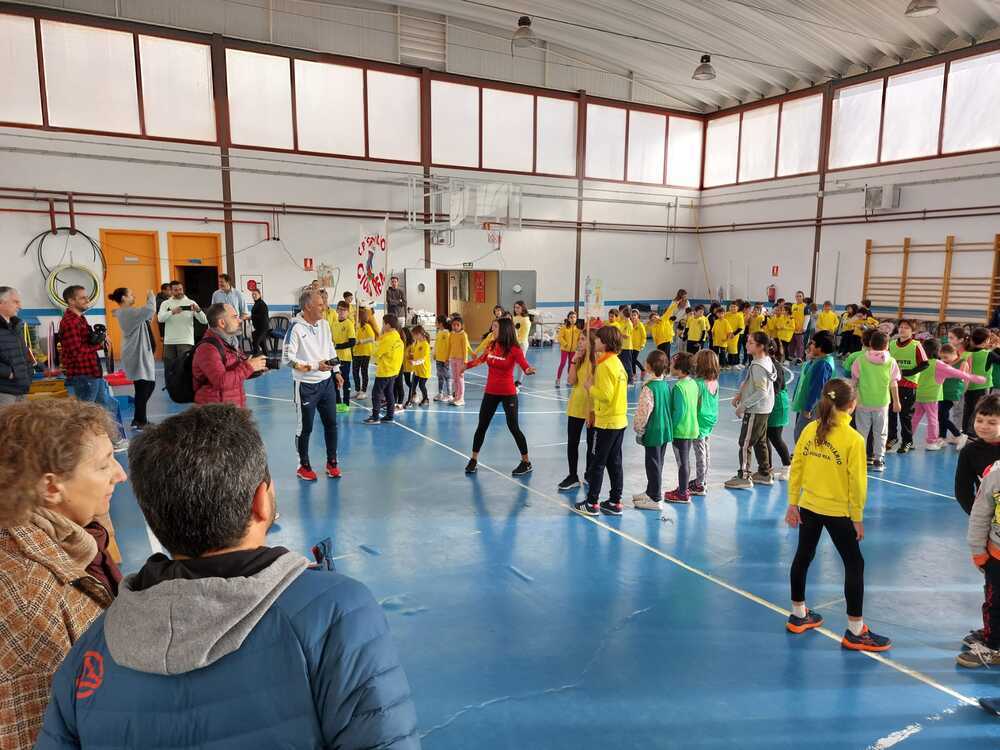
(228, 643)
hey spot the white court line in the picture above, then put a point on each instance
(550, 445)
(909, 486)
(901, 668)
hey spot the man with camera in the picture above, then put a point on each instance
(178, 314)
(310, 352)
(218, 367)
(78, 348)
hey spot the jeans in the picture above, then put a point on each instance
(574, 428)
(382, 390)
(359, 365)
(444, 378)
(96, 390)
(873, 424)
(607, 455)
(654, 470)
(345, 373)
(171, 354)
(682, 454)
(845, 539)
(457, 378)
(311, 398)
(702, 456)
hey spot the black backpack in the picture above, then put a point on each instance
(180, 380)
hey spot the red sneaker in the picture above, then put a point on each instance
(676, 496)
(332, 470)
(306, 474)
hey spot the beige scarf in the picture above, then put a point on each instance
(74, 540)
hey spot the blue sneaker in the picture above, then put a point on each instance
(802, 624)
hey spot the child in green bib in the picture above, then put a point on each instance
(930, 392)
(983, 360)
(684, 417)
(706, 377)
(910, 357)
(653, 427)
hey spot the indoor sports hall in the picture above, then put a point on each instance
(681, 236)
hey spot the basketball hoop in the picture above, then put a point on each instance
(494, 234)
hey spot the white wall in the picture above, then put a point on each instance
(632, 265)
(942, 183)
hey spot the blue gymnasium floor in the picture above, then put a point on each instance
(523, 625)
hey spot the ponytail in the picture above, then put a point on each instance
(837, 396)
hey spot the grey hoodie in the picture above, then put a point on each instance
(182, 625)
(757, 388)
(984, 520)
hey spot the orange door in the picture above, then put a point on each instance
(133, 261)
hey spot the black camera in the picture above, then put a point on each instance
(333, 362)
(273, 361)
(189, 308)
(98, 333)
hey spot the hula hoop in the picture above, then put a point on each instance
(50, 283)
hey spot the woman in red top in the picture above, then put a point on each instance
(501, 358)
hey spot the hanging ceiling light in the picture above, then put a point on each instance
(921, 8)
(704, 71)
(523, 34)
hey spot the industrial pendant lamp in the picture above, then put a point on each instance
(523, 34)
(921, 8)
(704, 71)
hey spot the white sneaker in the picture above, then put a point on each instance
(400, 407)
(781, 473)
(643, 501)
(458, 403)
(936, 446)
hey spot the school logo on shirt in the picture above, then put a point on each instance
(827, 452)
(91, 675)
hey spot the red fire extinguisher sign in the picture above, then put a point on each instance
(775, 270)
(307, 264)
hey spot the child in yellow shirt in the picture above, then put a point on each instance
(442, 347)
(458, 348)
(419, 355)
(362, 352)
(722, 332)
(638, 344)
(738, 323)
(827, 319)
(569, 335)
(697, 329)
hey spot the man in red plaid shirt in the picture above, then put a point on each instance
(78, 358)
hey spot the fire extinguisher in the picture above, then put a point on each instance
(772, 293)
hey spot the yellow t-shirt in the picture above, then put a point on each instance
(696, 328)
(784, 327)
(484, 344)
(721, 331)
(662, 331)
(830, 478)
(638, 336)
(756, 323)
(407, 356)
(610, 393)
(799, 316)
(343, 331)
(569, 337)
(579, 404)
(458, 345)
(420, 359)
(522, 328)
(442, 345)
(366, 341)
(827, 321)
(388, 354)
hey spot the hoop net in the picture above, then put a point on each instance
(494, 234)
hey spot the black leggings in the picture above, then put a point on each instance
(775, 436)
(398, 388)
(969, 411)
(345, 373)
(945, 425)
(574, 428)
(360, 368)
(143, 390)
(417, 382)
(486, 411)
(845, 539)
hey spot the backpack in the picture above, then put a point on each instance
(180, 380)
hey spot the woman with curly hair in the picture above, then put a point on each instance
(58, 471)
